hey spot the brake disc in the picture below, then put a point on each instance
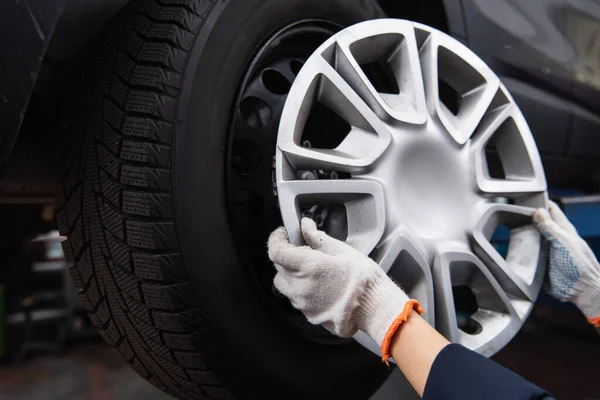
(437, 174)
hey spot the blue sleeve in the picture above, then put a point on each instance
(459, 373)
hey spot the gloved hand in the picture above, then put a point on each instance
(574, 272)
(338, 287)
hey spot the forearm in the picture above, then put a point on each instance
(415, 348)
(438, 370)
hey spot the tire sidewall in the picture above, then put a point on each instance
(258, 353)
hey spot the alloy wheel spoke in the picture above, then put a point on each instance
(366, 141)
(356, 154)
(486, 320)
(399, 256)
(470, 84)
(521, 271)
(389, 47)
(363, 201)
(505, 133)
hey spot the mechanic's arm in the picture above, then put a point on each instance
(338, 287)
(439, 370)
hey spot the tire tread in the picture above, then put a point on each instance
(115, 202)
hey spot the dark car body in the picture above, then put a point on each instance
(547, 52)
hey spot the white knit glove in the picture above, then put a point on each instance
(336, 286)
(574, 272)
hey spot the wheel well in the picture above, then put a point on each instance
(430, 12)
(30, 170)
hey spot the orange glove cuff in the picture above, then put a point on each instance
(595, 321)
(387, 340)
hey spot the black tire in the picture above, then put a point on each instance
(144, 208)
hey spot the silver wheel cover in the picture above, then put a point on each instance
(420, 199)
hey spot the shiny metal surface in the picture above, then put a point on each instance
(420, 197)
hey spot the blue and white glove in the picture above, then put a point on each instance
(574, 272)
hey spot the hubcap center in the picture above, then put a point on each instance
(432, 192)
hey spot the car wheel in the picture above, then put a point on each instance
(167, 198)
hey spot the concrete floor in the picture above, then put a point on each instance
(562, 358)
(88, 370)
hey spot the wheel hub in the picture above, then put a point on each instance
(252, 200)
(434, 162)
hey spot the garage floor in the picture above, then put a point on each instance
(561, 357)
(89, 370)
